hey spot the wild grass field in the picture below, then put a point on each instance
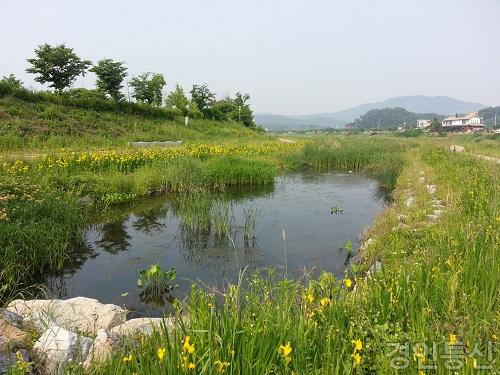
(436, 286)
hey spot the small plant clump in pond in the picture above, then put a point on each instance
(222, 217)
(251, 214)
(336, 210)
(156, 284)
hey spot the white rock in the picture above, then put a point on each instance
(375, 268)
(77, 314)
(145, 326)
(58, 346)
(409, 201)
(431, 189)
(103, 345)
(456, 148)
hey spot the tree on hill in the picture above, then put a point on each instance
(436, 125)
(110, 76)
(12, 81)
(148, 88)
(204, 99)
(178, 100)
(237, 109)
(59, 66)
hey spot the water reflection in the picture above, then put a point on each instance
(114, 236)
(148, 222)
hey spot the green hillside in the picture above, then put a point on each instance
(488, 115)
(47, 125)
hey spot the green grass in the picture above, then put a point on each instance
(439, 284)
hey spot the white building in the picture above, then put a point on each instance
(422, 124)
(471, 121)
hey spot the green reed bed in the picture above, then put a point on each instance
(380, 158)
(39, 230)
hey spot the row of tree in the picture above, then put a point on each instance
(59, 66)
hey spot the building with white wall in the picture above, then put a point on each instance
(422, 124)
(470, 121)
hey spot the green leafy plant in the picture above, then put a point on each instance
(156, 284)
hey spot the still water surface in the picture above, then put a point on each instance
(297, 213)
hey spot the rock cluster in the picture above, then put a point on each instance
(78, 330)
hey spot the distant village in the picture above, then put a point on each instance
(461, 123)
(464, 123)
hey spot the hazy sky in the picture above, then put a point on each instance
(292, 57)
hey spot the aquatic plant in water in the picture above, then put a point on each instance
(156, 284)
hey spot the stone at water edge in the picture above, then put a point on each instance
(79, 314)
(57, 347)
(11, 336)
(103, 345)
(145, 326)
(11, 318)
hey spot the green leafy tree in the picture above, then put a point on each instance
(59, 66)
(12, 81)
(245, 114)
(224, 109)
(436, 125)
(178, 100)
(110, 76)
(237, 109)
(204, 99)
(148, 88)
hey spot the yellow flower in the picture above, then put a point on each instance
(221, 366)
(358, 345)
(325, 301)
(127, 358)
(309, 298)
(494, 337)
(347, 283)
(453, 339)
(188, 348)
(421, 372)
(286, 351)
(161, 353)
(357, 358)
(191, 366)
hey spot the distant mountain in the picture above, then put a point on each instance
(441, 105)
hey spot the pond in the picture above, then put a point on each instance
(300, 224)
